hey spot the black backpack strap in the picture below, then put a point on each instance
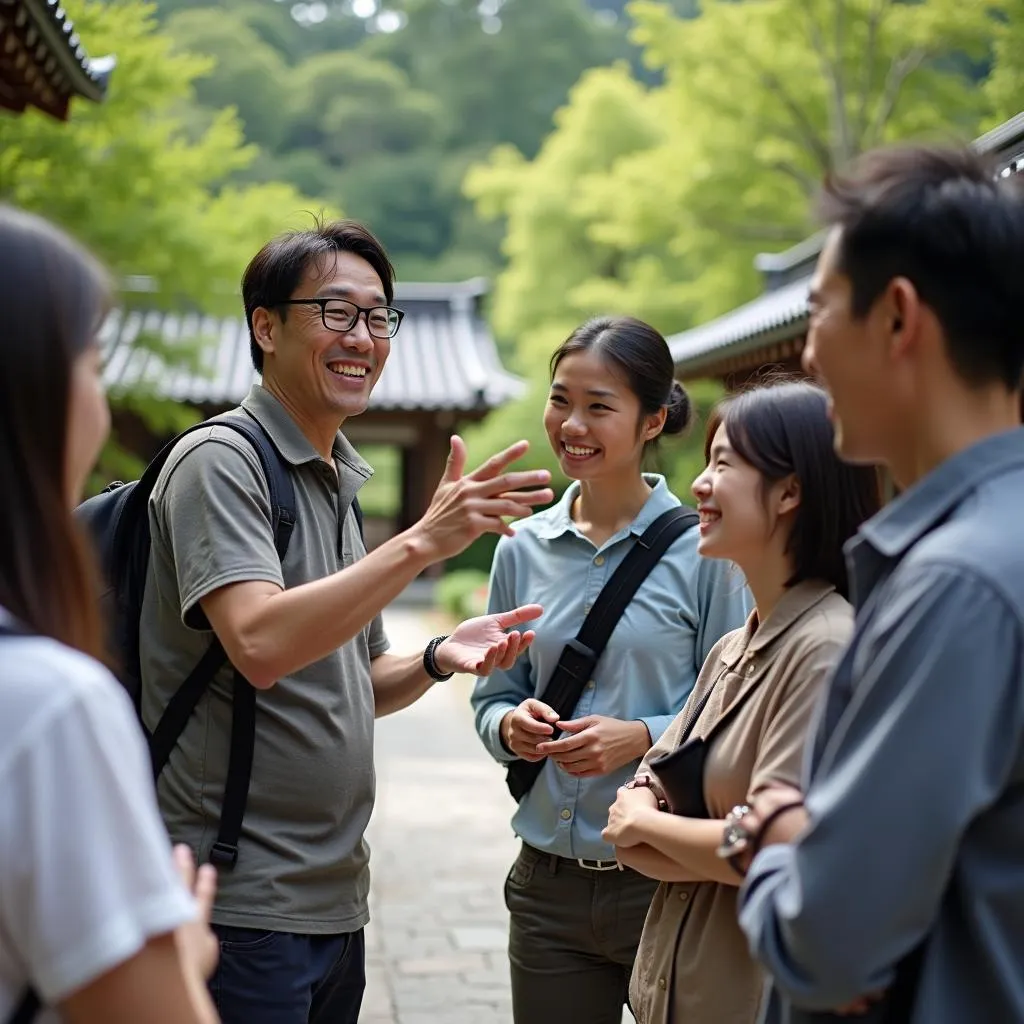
(25, 1012)
(224, 853)
(580, 656)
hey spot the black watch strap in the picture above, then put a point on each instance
(429, 665)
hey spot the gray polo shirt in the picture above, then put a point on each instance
(916, 787)
(302, 863)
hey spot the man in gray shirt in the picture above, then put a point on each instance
(304, 631)
(897, 887)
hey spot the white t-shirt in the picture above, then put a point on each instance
(86, 874)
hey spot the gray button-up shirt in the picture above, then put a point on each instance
(916, 772)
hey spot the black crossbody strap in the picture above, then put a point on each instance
(25, 1012)
(580, 656)
(698, 711)
(243, 710)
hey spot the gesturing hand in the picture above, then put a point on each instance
(526, 726)
(197, 945)
(597, 745)
(466, 507)
(481, 645)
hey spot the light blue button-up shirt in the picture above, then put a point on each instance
(647, 670)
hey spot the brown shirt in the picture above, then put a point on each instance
(693, 965)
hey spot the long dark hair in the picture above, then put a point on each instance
(53, 296)
(782, 428)
(641, 357)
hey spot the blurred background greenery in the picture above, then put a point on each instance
(587, 156)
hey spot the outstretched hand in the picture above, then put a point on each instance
(466, 506)
(481, 645)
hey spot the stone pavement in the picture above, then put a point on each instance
(441, 848)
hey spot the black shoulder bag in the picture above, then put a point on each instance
(580, 656)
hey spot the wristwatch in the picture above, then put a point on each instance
(644, 781)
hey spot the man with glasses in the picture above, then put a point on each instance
(306, 631)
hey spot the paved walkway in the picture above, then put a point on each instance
(441, 848)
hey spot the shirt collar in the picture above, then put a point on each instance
(794, 604)
(907, 518)
(558, 519)
(289, 439)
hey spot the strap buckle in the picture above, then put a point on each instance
(224, 855)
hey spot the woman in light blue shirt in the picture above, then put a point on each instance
(576, 917)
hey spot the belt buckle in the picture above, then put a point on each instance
(598, 865)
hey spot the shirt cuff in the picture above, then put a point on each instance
(656, 725)
(491, 733)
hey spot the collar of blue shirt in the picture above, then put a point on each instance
(910, 516)
(555, 521)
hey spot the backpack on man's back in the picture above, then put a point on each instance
(118, 522)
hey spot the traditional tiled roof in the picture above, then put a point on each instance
(42, 60)
(780, 315)
(443, 357)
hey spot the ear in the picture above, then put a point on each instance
(263, 329)
(901, 308)
(787, 495)
(654, 424)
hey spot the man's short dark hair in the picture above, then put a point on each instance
(275, 271)
(942, 218)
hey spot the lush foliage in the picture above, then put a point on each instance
(381, 108)
(145, 181)
(654, 199)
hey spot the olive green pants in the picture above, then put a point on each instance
(573, 935)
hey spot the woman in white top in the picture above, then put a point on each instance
(95, 915)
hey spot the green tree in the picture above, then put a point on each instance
(654, 200)
(759, 101)
(500, 68)
(1005, 86)
(250, 74)
(133, 179)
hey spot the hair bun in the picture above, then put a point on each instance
(680, 410)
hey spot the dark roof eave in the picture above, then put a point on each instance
(87, 78)
(698, 349)
(712, 360)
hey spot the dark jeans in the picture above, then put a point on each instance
(281, 978)
(573, 935)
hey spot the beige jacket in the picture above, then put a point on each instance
(693, 966)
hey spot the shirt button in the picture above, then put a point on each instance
(662, 984)
(566, 814)
(591, 684)
(684, 896)
(599, 560)
(587, 607)
(750, 668)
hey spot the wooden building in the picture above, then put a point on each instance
(769, 332)
(443, 372)
(43, 63)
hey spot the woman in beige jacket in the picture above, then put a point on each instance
(776, 501)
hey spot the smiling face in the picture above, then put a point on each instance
(326, 374)
(852, 357)
(739, 512)
(593, 420)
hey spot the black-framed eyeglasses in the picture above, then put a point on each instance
(341, 315)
